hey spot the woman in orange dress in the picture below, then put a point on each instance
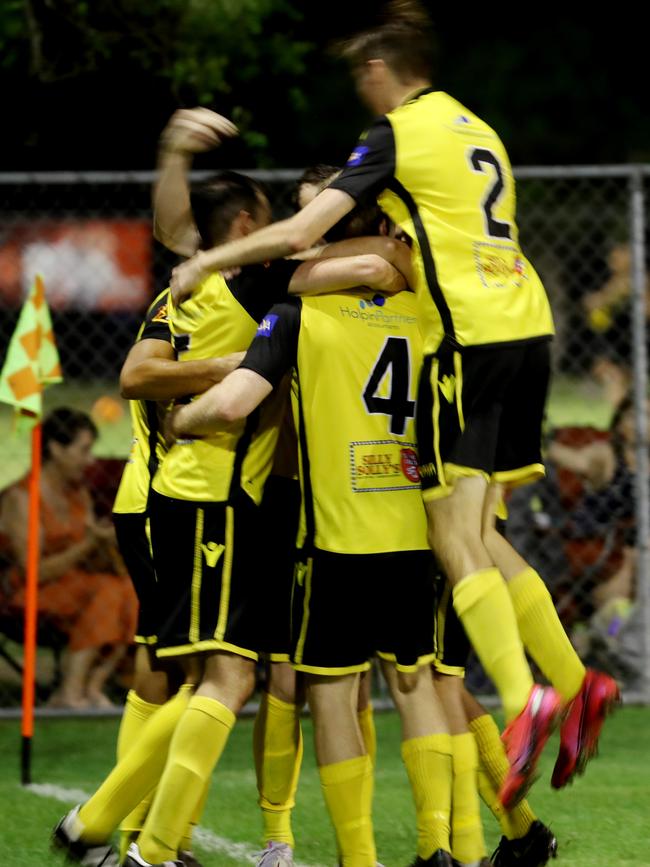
(82, 584)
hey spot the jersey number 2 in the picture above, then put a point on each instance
(394, 356)
(479, 159)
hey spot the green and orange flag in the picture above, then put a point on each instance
(32, 360)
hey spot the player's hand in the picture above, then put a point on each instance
(186, 277)
(195, 130)
(169, 431)
(226, 364)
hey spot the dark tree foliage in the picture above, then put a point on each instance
(90, 83)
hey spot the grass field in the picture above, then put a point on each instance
(601, 820)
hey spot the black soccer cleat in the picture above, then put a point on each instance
(440, 858)
(535, 849)
(66, 838)
(189, 859)
(484, 862)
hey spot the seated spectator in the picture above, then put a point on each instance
(83, 587)
(577, 525)
(607, 312)
(607, 468)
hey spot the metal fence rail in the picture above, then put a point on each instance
(584, 229)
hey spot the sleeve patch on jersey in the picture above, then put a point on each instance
(161, 314)
(267, 325)
(358, 155)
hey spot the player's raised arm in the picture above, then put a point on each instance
(338, 274)
(190, 131)
(151, 372)
(276, 241)
(395, 252)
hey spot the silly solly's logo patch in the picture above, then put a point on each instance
(409, 461)
(267, 325)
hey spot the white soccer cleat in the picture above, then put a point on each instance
(67, 838)
(135, 859)
(276, 855)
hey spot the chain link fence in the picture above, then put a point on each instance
(585, 527)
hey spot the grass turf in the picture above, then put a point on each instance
(600, 820)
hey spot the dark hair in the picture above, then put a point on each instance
(364, 219)
(215, 204)
(404, 40)
(62, 426)
(319, 175)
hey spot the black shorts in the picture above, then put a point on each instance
(452, 646)
(480, 412)
(349, 607)
(132, 531)
(206, 557)
(279, 515)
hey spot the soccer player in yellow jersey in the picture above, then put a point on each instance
(443, 175)
(150, 374)
(363, 582)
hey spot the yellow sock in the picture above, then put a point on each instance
(277, 746)
(135, 775)
(136, 712)
(196, 747)
(543, 635)
(347, 789)
(186, 842)
(429, 766)
(467, 842)
(493, 767)
(366, 719)
(483, 604)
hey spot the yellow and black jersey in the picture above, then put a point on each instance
(356, 358)
(221, 317)
(148, 444)
(444, 176)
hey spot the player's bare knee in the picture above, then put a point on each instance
(408, 681)
(325, 694)
(283, 683)
(152, 686)
(230, 678)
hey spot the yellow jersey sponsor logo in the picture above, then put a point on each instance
(447, 386)
(212, 552)
(498, 266)
(383, 465)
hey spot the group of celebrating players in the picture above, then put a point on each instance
(318, 470)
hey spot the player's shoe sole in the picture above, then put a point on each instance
(524, 739)
(583, 722)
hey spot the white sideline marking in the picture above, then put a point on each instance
(208, 841)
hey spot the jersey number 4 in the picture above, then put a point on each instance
(480, 160)
(393, 358)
